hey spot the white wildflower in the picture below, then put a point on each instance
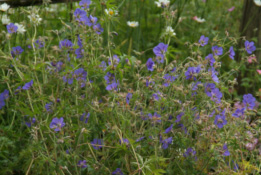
(162, 3)
(133, 23)
(49, 9)
(170, 31)
(199, 20)
(4, 7)
(257, 2)
(35, 18)
(5, 20)
(111, 12)
(21, 28)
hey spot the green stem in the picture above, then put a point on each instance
(30, 101)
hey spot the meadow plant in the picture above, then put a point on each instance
(76, 105)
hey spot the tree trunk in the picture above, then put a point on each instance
(250, 28)
(18, 3)
(251, 25)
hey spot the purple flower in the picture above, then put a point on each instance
(150, 64)
(28, 85)
(190, 153)
(109, 77)
(117, 172)
(235, 167)
(124, 141)
(226, 153)
(112, 86)
(128, 97)
(249, 101)
(48, 107)
(111, 82)
(239, 112)
(160, 50)
(82, 163)
(80, 75)
(214, 74)
(179, 117)
(79, 14)
(11, 28)
(69, 151)
(148, 82)
(58, 100)
(84, 21)
(39, 44)
(57, 124)
(168, 129)
(17, 90)
(216, 95)
(211, 59)
(79, 53)
(97, 143)
(85, 117)
(85, 3)
(217, 50)
(156, 96)
(166, 142)
(16, 51)
(92, 21)
(103, 65)
(220, 121)
(155, 118)
(195, 85)
(98, 29)
(192, 72)
(231, 52)
(3, 96)
(30, 122)
(67, 80)
(79, 41)
(250, 47)
(58, 65)
(183, 128)
(168, 79)
(212, 113)
(139, 139)
(142, 116)
(173, 70)
(114, 60)
(209, 87)
(203, 40)
(66, 44)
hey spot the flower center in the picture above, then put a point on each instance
(220, 120)
(111, 12)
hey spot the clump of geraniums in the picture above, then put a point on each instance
(90, 109)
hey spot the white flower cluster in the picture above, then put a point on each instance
(170, 31)
(5, 19)
(21, 28)
(4, 7)
(35, 18)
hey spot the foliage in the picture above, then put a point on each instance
(103, 96)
